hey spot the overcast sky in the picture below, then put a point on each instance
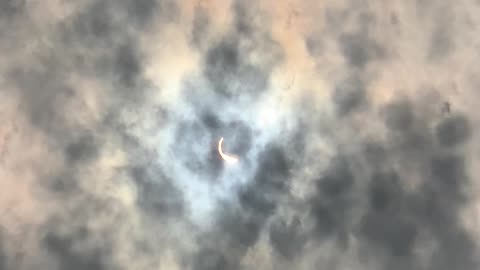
(355, 124)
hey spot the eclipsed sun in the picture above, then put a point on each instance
(227, 157)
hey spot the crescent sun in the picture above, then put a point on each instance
(227, 157)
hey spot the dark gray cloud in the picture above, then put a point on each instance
(399, 116)
(350, 95)
(44, 107)
(210, 259)
(126, 65)
(158, 197)
(453, 130)
(3, 257)
(338, 181)
(359, 49)
(231, 75)
(288, 239)
(268, 183)
(332, 203)
(200, 28)
(81, 149)
(11, 8)
(63, 248)
(228, 62)
(443, 35)
(441, 42)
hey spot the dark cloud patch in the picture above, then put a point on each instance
(359, 49)
(274, 167)
(456, 247)
(453, 130)
(83, 233)
(441, 210)
(393, 233)
(376, 154)
(3, 255)
(229, 72)
(457, 251)
(287, 238)
(123, 71)
(338, 180)
(244, 18)
(449, 175)
(441, 44)
(414, 141)
(201, 22)
(442, 39)
(384, 191)
(387, 225)
(92, 26)
(240, 230)
(210, 259)
(167, 10)
(44, 94)
(224, 247)
(66, 249)
(298, 143)
(156, 194)
(260, 197)
(211, 121)
(253, 199)
(9, 8)
(127, 65)
(225, 56)
(331, 203)
(221, 59)
(82, 149)
(337, 18)
(350, 95)
(409, 131)
(64, 183)
(314, 45)
(240, 63)
(399, 116)
(108, 20)
(141, 11)
(325, 220)
(394, 20)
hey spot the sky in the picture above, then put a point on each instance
(354, 121)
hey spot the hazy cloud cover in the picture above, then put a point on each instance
(355, 123)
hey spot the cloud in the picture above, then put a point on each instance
(453, 130)
(112, 112)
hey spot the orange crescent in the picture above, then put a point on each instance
(228, 158)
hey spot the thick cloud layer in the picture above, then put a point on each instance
(354, 123)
